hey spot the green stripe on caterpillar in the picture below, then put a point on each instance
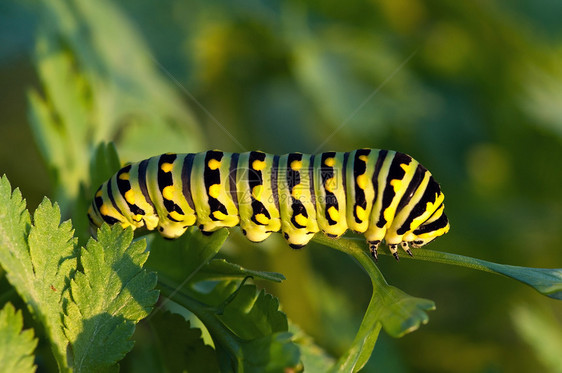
(385, 195)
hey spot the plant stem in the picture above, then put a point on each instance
(547, 281)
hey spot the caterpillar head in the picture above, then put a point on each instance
(434, 227)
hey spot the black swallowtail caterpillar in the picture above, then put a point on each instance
(383, 194)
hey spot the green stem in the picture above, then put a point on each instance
(364, 342)
(547, 281)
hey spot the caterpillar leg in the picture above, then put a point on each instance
(394, 250)
(373, 246)
(406, 248)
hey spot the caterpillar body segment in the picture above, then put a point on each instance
(384, 195)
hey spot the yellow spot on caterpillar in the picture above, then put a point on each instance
(99, 193)
(330, 162)
(124, 176)
(262, 219)
(396, 184)
(168, 192)
(334, 213)
(389, 214)
(167, 167)
(256, 192)
(362, 181)
(215, 190)
(104, 210)
(361, 213)
(214, 164)
(364, 158)
(176, 215)
(296, 193)
(331, 184)
(296, 165)
(219, 215)
(301, 220)
(258, 165)
(130, 196)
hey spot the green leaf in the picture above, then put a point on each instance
(60, 121)
(213, 293)
(15, 223)
(391, 308)
(179, 260)
(16, 346)
(108, 297)
(92, 91)
(397, 312)
(241, 321)
(220, 269)
(402, 313)
(253, 314)
(40, 271)
(180, 347)
(547, 281)
(313, 358)
(271, 353)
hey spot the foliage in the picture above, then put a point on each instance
(38, 259)
(87, 301)
(90, 300)
(478, 104)
(180, 346)
(16, 346)
(249, 331)
(109, 295)
(91, 93)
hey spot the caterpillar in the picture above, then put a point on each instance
(385, 195)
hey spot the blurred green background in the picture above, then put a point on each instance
(472, 90)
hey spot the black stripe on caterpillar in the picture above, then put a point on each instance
(382, 194)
